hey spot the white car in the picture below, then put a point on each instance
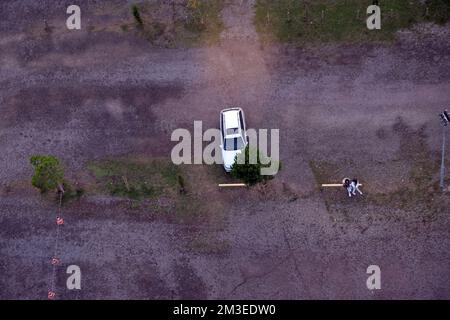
(233, 135)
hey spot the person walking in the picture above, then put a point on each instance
(347, 186)
(354, 186)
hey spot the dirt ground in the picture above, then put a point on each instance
(367, 110)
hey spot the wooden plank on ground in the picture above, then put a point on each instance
(232, 185)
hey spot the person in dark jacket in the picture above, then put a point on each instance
(347, 186)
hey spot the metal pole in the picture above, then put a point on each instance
(443, 159)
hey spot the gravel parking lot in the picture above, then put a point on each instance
(361, 110)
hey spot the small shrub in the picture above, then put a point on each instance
(137, 15)
(48, 173)
(250, 173)
(181, 184)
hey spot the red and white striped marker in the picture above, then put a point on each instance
(55, 261)
(59, 221)
(51, 295)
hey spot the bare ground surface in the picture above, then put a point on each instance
(93, 95)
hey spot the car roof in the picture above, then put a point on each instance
(231, 118)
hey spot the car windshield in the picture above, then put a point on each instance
(232, 144)
(232, 131)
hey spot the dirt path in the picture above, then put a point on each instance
(238, 19)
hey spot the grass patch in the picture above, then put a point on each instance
(203, 24)
(156, 185)
(186, 194)
(187, 23)
(310, 22)
(71, 192)
(136, 180)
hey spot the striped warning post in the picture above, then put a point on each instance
(51, 295)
